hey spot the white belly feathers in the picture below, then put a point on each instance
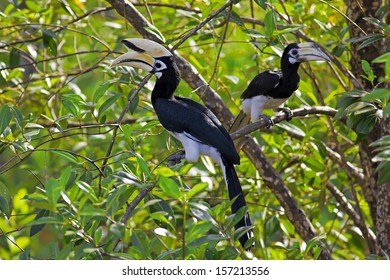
(254, 106)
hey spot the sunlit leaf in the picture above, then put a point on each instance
(108, 103)
(169, 187)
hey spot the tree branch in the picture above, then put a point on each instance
(301, 112)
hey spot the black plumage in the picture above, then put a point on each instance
(198, 129)
(270, 89)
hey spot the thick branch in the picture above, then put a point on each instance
(301, 112)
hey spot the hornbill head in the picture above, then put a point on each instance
(144, 54)
(296, 53)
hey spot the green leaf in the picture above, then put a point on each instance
(70, 106)
(383, 58)
(378, 93)
(53, 191)
(196, 189)
(108, 103)
(127, 129)
(101, 90)
(153, 30)
(368, 71)
(37, 227)
(14, 58)
(90, 210)
(67, 156)
(157, 204)
(134, 103)
(198, 229)
(210, 239)
(254, 33)
(382, 156)
(365, 124)
(18, 116)
(378, 23)
(143, 166)
(262, 3)
(5, 118)
(169, 187)
(386, 110)
(383, 141)
(314, 164)
(33, 6)
(164, 171)
(290, 28)
(5, 200)
(269, 23)
(370, 40)
(234, 17)
(49, 41)
(384, 174)
(314, 242)
(272, 226)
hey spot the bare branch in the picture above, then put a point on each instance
(301, 112)
(135, 202)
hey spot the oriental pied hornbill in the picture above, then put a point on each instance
(270, 89)
(197, 128)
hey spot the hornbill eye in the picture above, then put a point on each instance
(159, 65)
(294, 52)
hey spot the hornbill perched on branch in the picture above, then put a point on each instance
(270, 89)
(197, 128)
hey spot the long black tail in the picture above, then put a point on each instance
(235, 191)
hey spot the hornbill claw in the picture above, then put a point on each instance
(287, 112)
(175, 158)
(268, 121)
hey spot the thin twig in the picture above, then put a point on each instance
(203, 23)
(221, 45)
(134, 203)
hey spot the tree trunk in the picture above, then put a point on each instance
(377, 196)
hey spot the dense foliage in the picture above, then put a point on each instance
(73, 166)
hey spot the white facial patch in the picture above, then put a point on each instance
(292, 60)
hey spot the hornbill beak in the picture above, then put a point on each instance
(311, 51)
(141, 54)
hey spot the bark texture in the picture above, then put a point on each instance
(377, 196)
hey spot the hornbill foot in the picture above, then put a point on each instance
(287, 112)
(175, 158)
(268, 121)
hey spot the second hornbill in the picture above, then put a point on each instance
(270, 89)
(194, 125)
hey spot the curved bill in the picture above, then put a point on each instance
(135, 59)
(149, 47)
(311, 51)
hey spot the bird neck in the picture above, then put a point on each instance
(290, 80)
(289, 71)
(166, 85)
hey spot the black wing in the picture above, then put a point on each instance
(262, 84)
(185, 115)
